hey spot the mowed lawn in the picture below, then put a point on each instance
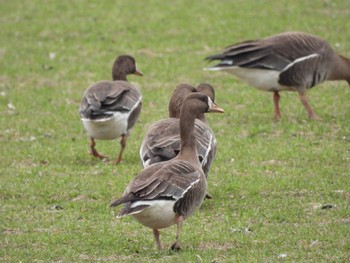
(281, 191)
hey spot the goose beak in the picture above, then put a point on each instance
(215, 108)
(138, 72)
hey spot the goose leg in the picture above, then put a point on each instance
(123, 144)
(276, 100)
(93, 150)
(156, 236)
(312, 115)
(176, 245)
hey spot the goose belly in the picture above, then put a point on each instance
(159, 214)
(266, 80)
(109, 128)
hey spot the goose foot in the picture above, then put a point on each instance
(93, 150)
(310, 112)
(175, 246)
(315, 117)
(208, 196)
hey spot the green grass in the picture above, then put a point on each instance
(269, 180)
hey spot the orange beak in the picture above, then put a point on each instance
(138, 72)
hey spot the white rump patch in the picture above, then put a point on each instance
(159, 213)
(109, 128)
(213, 68)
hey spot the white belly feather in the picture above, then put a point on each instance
(158, 215)
(262, 79)
(107, 129)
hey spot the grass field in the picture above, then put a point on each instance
(281, 190)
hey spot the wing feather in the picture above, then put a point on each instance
(106, 97)
(170, 180)
(162, 143)
(272, 53)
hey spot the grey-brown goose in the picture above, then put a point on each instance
(109, 109)
(167, 193)
(162, 140)
(292, 61)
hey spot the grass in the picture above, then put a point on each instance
(270, 180)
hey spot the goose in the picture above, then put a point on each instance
(177, 98)
(109, 109)
(289, 61)
(162, 140)
(167, 193)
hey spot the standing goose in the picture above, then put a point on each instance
(292, 61)
(109, 109)
(162, 140)
(167, 193)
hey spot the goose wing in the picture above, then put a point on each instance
(206, 145)
(173, 180)
(272, 53)
(104, 98)
(162, 143)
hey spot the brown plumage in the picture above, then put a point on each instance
(109, 109)
(292, 61)
(167, 193)
(162, 140)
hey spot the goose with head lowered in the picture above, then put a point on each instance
(162, 140)
(291, 61)
(109, 109)
(166, 193)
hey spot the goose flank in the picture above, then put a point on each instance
(290, 61)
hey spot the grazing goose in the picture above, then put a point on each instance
(167, 193)
(292, 61)
(109, 109)
(162, 140)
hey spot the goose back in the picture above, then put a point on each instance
(162, 143)
(162, 140)
(299, 60)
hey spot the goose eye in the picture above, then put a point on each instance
(205, 99)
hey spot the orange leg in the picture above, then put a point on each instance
(176, 245)
(93, 150)
(156, 236)
(123, 145)
(310, 112)
(276, 99)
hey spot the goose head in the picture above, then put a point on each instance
(196, 104)
(123, 66)
(207, 89)
(177, 99)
